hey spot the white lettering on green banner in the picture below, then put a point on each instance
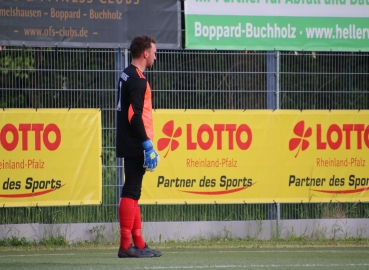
(338, 25)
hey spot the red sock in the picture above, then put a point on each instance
(127, 213)
(136, 230)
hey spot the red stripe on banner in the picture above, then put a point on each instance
(216, 192)
(26, 195)
(342, 191)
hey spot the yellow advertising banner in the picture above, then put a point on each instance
(50, 157)
(259, 157)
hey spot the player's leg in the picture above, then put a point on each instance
(137, 235)
(127, 212)
(137, 229)
(131, 192)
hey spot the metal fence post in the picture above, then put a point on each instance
(277, 59)
(271, 103)
(278, 222)
(277, 92)
(119, 66)
(271, 80)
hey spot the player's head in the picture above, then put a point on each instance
(144, 46)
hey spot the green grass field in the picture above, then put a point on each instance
(195, 258)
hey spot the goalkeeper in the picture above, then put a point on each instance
(134, 143)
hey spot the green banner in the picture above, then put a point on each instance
(234, 26)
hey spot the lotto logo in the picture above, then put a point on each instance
(11, 136)
(205, 137)
(345, 136)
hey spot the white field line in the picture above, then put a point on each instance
(227, 266)
(208, 251)
(254, 266)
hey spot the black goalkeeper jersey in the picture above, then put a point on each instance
(134, 113)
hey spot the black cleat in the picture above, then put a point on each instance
(156, 253)
(134, 252)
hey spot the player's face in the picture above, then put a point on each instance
(151, 56)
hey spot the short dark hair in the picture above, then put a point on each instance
(139, 44)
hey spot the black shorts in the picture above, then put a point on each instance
(133, 175)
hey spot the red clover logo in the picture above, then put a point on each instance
(169, 142)
(300, 142)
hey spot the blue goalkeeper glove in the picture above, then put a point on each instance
(151, 156)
